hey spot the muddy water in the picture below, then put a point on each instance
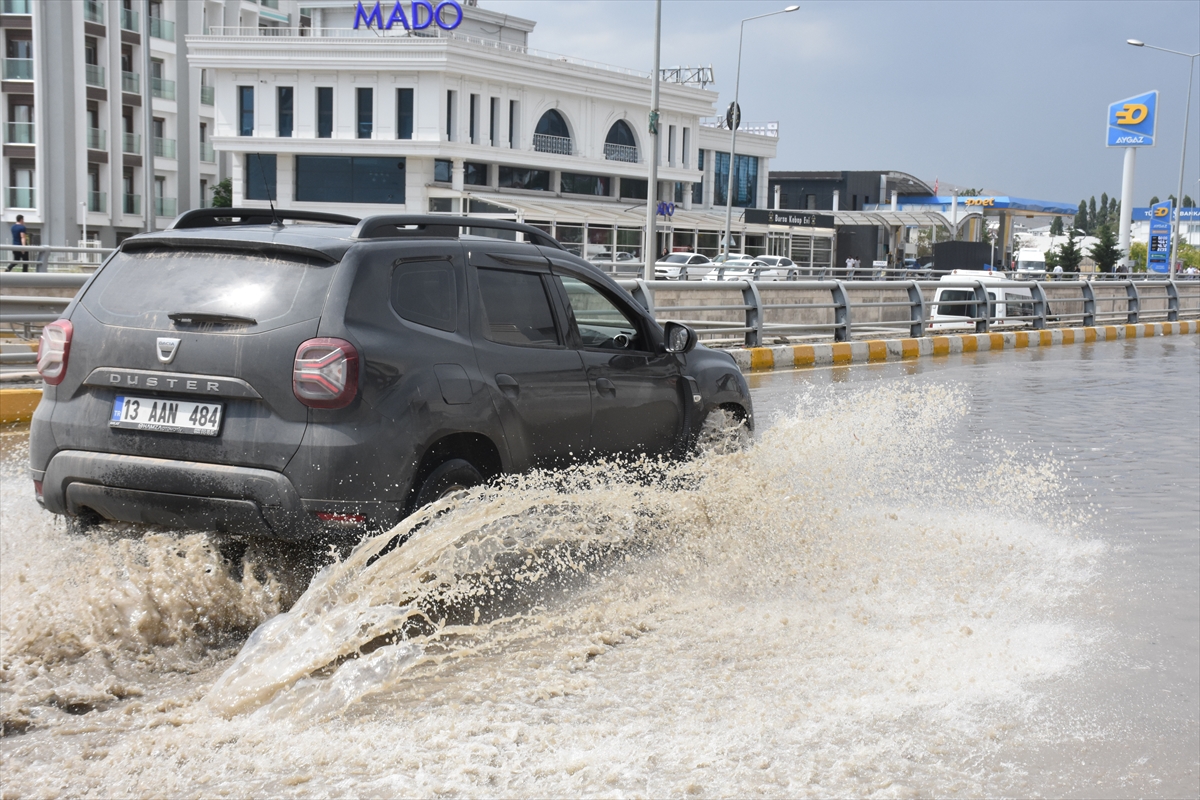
(858, 604)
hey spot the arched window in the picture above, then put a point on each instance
(620, 145)
(552, 134)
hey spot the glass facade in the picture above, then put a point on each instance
(521, 178)
(260, 176)
(475, 174)
(404, 113)
(633, 189)
(745, 180)
(573, 183)
(350, 179)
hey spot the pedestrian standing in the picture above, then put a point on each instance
(20, 238)
(849, 267)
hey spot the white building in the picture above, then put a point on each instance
(325, 116)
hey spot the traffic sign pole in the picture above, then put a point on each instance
(1126, 205)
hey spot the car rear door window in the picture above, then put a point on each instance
(517, 309)
(423, 292)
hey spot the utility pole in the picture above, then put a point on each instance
(651, 240)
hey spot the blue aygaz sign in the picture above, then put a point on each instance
(1159, 251)
(420, 21)
(1131, 122)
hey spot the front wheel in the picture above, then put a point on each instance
(723, 432)
(448, 477)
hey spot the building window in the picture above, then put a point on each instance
(245, 111)
(745, 180)
(475, 174)
(284, 103)
(552, 134)
(633, 189)
(698, 186)
(324, 112)
(404, 113)
(260, 176)
(686, 155)
(671, 145)
(474, 121)
(451, 113)
(494, 122)
(366, 112)
(811, 202)
(514, 108)
(443, 170)
(573, 183)
(521, 178)
(350, 179)
(620, 144)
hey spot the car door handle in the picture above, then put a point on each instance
(508, 384)
(605, 386)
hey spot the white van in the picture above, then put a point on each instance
(955, 306)
(1031, 264)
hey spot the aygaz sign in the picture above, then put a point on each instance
(1131, 122)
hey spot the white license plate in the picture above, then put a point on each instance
(166, 415)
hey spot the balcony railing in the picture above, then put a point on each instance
(18, 133)
(270, 4)
(164, 148)
(131, 143)
(162, 29)
(161, 87)
(97, 139)
(97, 201)
(164, 206)
(93, 75)
(131, 203)
(16, 7)
(207, 154)
(620, 152)
(131, 82)
(21, 197)
(18, 69)
(93, 11)
(207, 95)
(545, 143)
(129, 22)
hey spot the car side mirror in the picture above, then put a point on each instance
(679, 338)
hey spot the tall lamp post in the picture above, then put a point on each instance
(1183, 155)
(735, 121)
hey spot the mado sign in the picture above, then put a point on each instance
(1131, 123)
(448, 15)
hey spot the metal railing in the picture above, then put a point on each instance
(131, 204)
(207, 154)
(93, 75)
(163, 88)
(131, 143)
(18, 133)
(162, 29)
(207, 95)
(93, 11)
(164, 148)
(131, 82)
(620, 152)
(97, 201)
(545, 143)
(22, 197)
(752, 312)
(18, 69)
(57, 269)
(129, 20)
(97, 139)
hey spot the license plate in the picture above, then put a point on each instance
(166, 415)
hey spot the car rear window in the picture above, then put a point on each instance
(423, 292)
(517, 309)
(142, 288)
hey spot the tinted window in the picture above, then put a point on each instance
(516, 308)
(284, 104)
(260, 176)
(601, 323)
(349, 179)
(404, 113)
(959, 309)
(423, 292)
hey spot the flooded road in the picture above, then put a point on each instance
(973, 575)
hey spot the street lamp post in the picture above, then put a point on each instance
(735, 121)
(1183, 154)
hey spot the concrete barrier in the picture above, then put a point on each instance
(17, 405)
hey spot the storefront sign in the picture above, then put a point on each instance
(783, 216)
(1160, 238)
(447, 14)
(1131, 122)
(666, 209)
(986, 202)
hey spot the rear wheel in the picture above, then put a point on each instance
(448, 477)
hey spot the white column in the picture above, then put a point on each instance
(456, 174)
(1127, 203)
(836, 197)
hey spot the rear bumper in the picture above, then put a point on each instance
(190, 494)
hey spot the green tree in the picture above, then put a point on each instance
(1105, 252)
(1093, 220)
(1052, 258)
(1114, 211)
(1056, 227)
(1081, 219)
(1187, 202)
(1069, 256)
(1137, 254)
(1154, 200)
(223, 194)
(1102, 212)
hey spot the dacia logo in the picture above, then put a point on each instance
(1131, 114)
(1162, 212)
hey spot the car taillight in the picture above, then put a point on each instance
(325, 373)
(341, 520)
(53, 351)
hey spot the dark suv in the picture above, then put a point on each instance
(234, 373)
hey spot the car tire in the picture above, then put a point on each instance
(723, 432)
(794, 275)
(448, 477)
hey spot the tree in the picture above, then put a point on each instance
(1102, 210)
(970, 192)
(1114, 210)
(1105, 252)
(1093, 220)
(1187, 202)
(1081, 219)
(1056, 227)
(1137, 254)
(1154, 200)
(223, 194)
(1052, 258)
(1069, 257)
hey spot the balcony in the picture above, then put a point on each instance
(129, 22)
(162, 29)
(18, 133)
(93, 75)
(131, 83)
(18, 69)
(620, 152)
(161, 87)
(131, 204)
(21, 197)
(97, 139)
(93, 11)
(97, 201)
(207, 154)
(207, 95)
(17, 7)
(164, 148)
(131, 143)
(545, 143)
(164, 206)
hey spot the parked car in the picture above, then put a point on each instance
(782, 268)
(685, 266)
(748, 269)
(233, 373)
(957, 307)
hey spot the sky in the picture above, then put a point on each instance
(1008, 97)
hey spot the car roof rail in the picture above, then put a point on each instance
(389, 226)
(222, 217)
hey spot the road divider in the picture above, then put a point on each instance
(17, 405)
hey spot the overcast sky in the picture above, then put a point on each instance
(1006, 96)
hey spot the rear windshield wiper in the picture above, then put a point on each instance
(202, 317)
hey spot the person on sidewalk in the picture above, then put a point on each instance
(20, 238)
